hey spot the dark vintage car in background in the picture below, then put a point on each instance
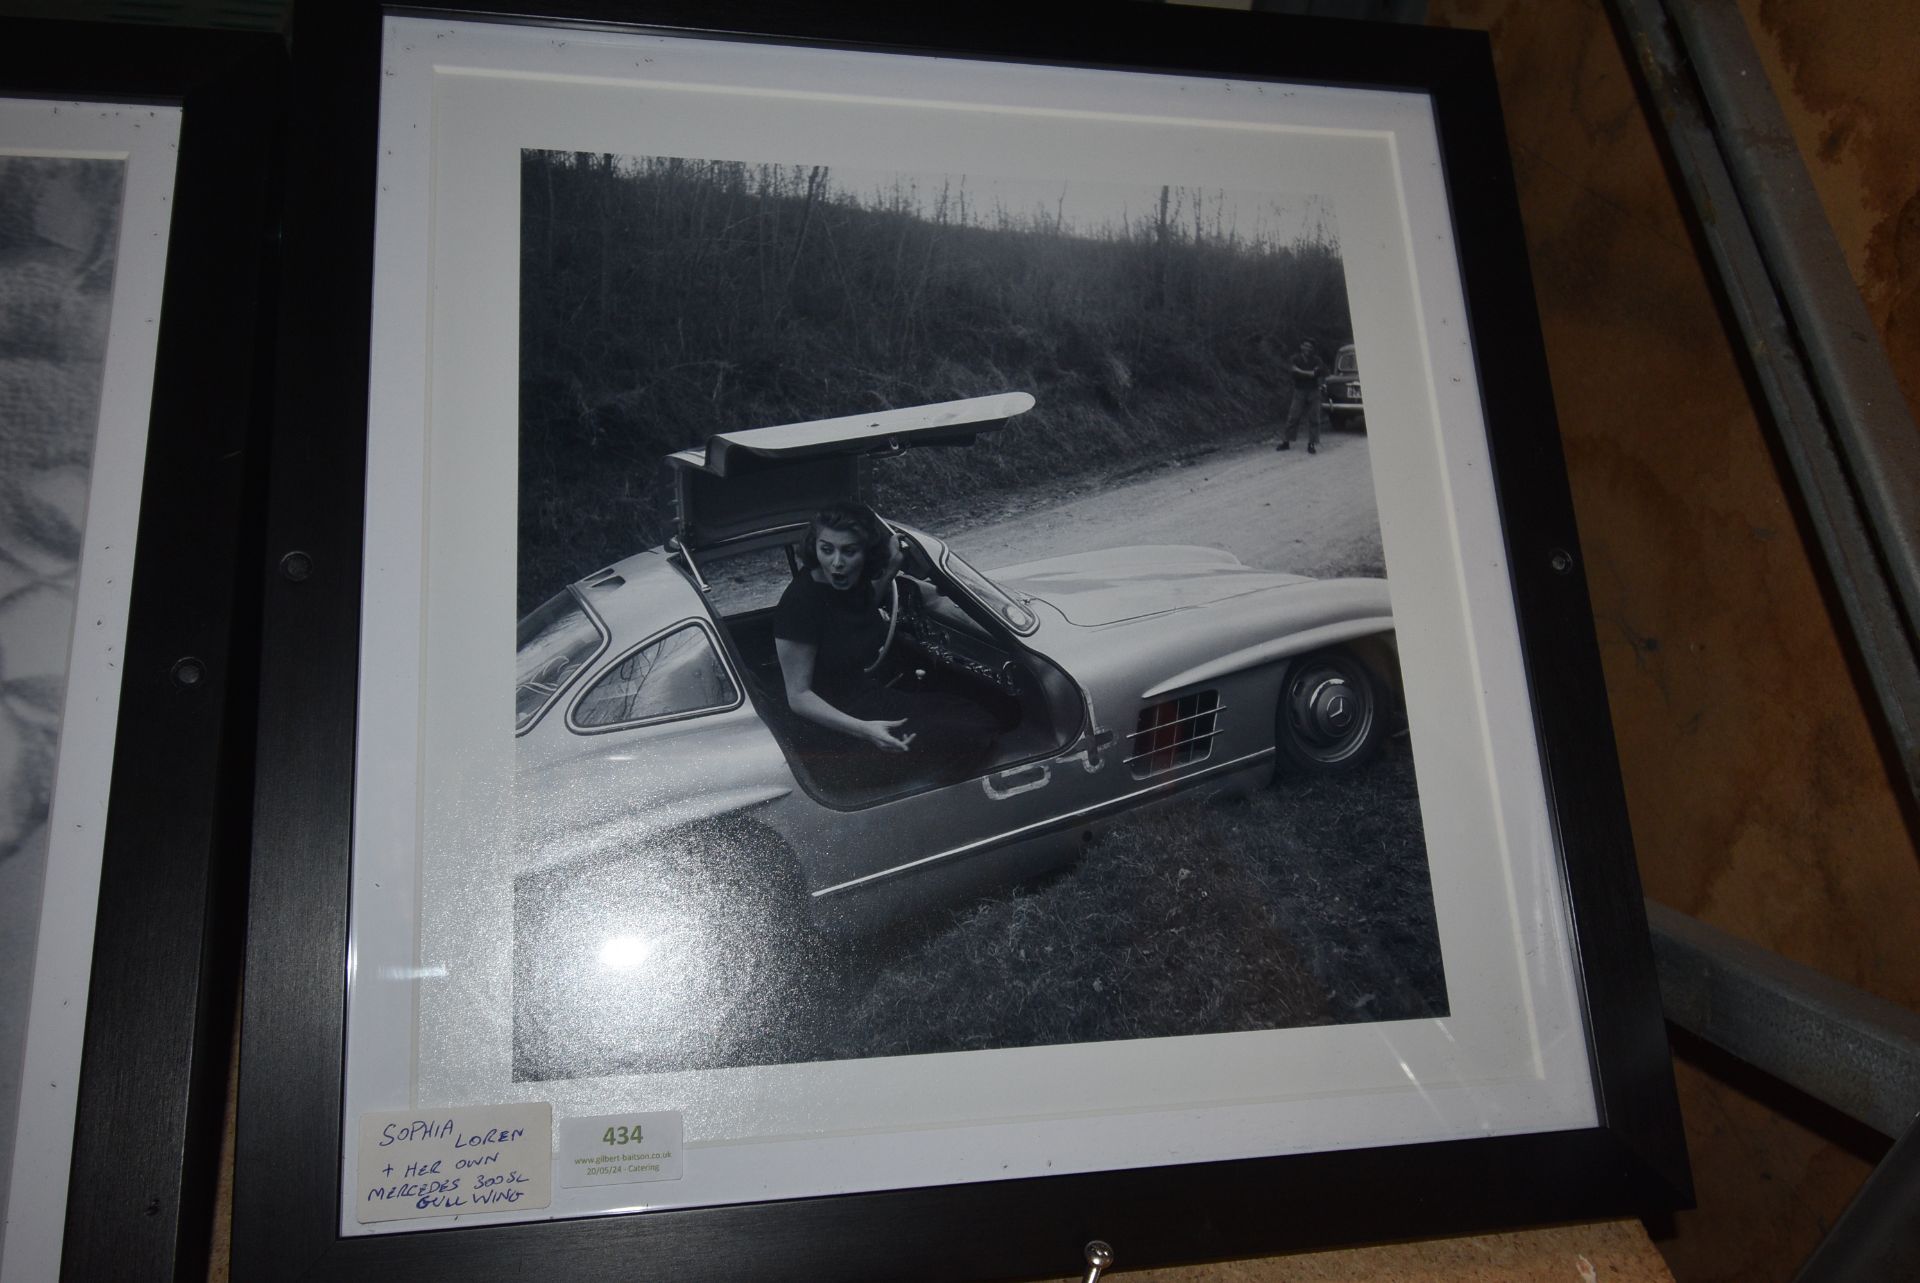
(670, 831)
(1340, 394)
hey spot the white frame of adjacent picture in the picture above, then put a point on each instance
(145, 137)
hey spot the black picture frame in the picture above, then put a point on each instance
(290, 1102)
(167, 939)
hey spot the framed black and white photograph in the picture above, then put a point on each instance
(1159, 325)
(125, 394)
(1025, 612)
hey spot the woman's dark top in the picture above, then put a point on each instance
(954, 735)
(845, 630)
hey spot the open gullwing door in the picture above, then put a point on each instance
(760, 483)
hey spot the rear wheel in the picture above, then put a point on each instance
(1329, 718)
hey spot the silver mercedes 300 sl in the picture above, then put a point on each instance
(663, 804)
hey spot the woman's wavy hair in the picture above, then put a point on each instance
(859, 519)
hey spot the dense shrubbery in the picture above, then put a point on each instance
(663, 300)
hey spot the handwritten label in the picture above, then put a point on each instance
(455, 1162)
(619, 1149)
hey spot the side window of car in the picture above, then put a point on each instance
(675, 675)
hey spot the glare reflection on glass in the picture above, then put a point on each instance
(434, 972)
(623, 953)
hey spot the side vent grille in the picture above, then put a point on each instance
(1174, 734)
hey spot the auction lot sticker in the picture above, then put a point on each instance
(619, 1149)
(455, 1162)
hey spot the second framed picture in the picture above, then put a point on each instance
(1051, 690)
(137, 193)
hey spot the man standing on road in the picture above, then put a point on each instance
(1307, 372)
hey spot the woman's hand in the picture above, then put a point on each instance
(796, 665)
(886, 736)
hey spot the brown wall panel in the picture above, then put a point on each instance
(1847, 79)
(1760, 798)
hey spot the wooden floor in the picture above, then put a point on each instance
(1615, 1252)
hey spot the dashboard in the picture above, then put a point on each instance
(944, 635)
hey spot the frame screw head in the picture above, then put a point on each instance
(1561, 560)
(296, 566)
(188, 671)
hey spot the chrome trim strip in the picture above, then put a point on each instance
(1161, 726)
(1197, 747)
(1057, 822)
(1203, 742)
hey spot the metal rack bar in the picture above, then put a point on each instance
(1851, 1050)
(1846, 433)
(1840, 421)
(1856, 1052)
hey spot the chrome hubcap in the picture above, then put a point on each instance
(1333, 708)
(1329, 714)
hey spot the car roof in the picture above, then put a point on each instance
(638, 594)
(756, 483)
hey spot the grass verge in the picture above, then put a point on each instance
(1304, 904)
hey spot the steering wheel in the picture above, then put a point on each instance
(892, 608)
(892, 612)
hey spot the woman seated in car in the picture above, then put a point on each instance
(830, 632)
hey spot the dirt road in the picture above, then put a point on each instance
(1310, 514)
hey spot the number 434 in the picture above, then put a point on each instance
(622, 1136)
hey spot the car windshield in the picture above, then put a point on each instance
(1347, 364)
(991, 595)
(554, 643)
